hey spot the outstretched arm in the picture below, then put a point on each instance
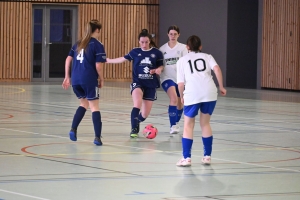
(115, 60)
(218, 72)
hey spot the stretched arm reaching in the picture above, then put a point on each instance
(116, 60)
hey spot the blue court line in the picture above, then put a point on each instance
(147, 177)
(142, 193)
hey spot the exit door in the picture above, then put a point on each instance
(54, 33)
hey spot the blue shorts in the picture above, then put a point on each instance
(205, 107)
(86, 92)
(148, 93)
(169, 83)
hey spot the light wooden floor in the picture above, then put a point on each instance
(256, 151)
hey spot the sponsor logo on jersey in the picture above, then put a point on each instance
(145, 76)
(146, 61)
(146, 70)
(171, 61)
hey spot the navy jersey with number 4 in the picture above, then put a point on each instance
(84, 63)
(143, 62)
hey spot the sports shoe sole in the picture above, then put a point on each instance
(134, 135)
(73, 136)
(98, 143)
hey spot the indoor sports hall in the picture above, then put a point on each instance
(256, 126)
(256, 152)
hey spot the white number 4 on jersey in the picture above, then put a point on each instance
(80, 55)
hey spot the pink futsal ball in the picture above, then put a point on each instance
(150, 131)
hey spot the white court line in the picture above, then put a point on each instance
(115, 112)
(24, 195)
(159, 151)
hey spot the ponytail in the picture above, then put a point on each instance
(89, 29)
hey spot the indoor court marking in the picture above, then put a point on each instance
(255, 150)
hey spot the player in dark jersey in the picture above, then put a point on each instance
(147, 63)
(87, 77)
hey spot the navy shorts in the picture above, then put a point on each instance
(86, 91)
(205, 107)
(148, 93)
(168, 83)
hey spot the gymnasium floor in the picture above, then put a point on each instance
(256, 151)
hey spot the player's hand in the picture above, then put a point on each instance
(100, 83)
(223, 91)
(66, 83)
(156, 71)
(108, 60)
(182, 101)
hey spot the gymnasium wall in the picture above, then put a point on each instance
(122, 21)
(256, 43)
(205, 18)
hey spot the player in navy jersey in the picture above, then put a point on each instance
(172, 51)
(147, 63)
(87, 55)
(198, 92)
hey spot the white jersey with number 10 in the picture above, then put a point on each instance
(194, 70)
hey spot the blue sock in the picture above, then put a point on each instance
(79, 114)
(207, 145)
(172, 115)
(141, 118)
(96, 116)
(134, 117)
(179, 114)
(187, 147)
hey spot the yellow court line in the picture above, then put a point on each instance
(21, 90)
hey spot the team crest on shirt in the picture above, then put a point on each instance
(152, 55)
(178, 52)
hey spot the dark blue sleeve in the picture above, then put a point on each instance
(160, 59)
(100, 52)
(72, 51)
(129, 56)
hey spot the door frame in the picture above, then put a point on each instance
(46, 38)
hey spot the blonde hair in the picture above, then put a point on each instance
(90, 28)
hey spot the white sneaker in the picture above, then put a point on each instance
(174, 129)
(184, 162)
(206, 160)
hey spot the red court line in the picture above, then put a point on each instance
(24, 149)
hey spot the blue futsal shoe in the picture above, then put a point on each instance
(73, 135)
(97, 141)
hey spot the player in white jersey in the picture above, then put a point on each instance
(198, 92)
(172, 51)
